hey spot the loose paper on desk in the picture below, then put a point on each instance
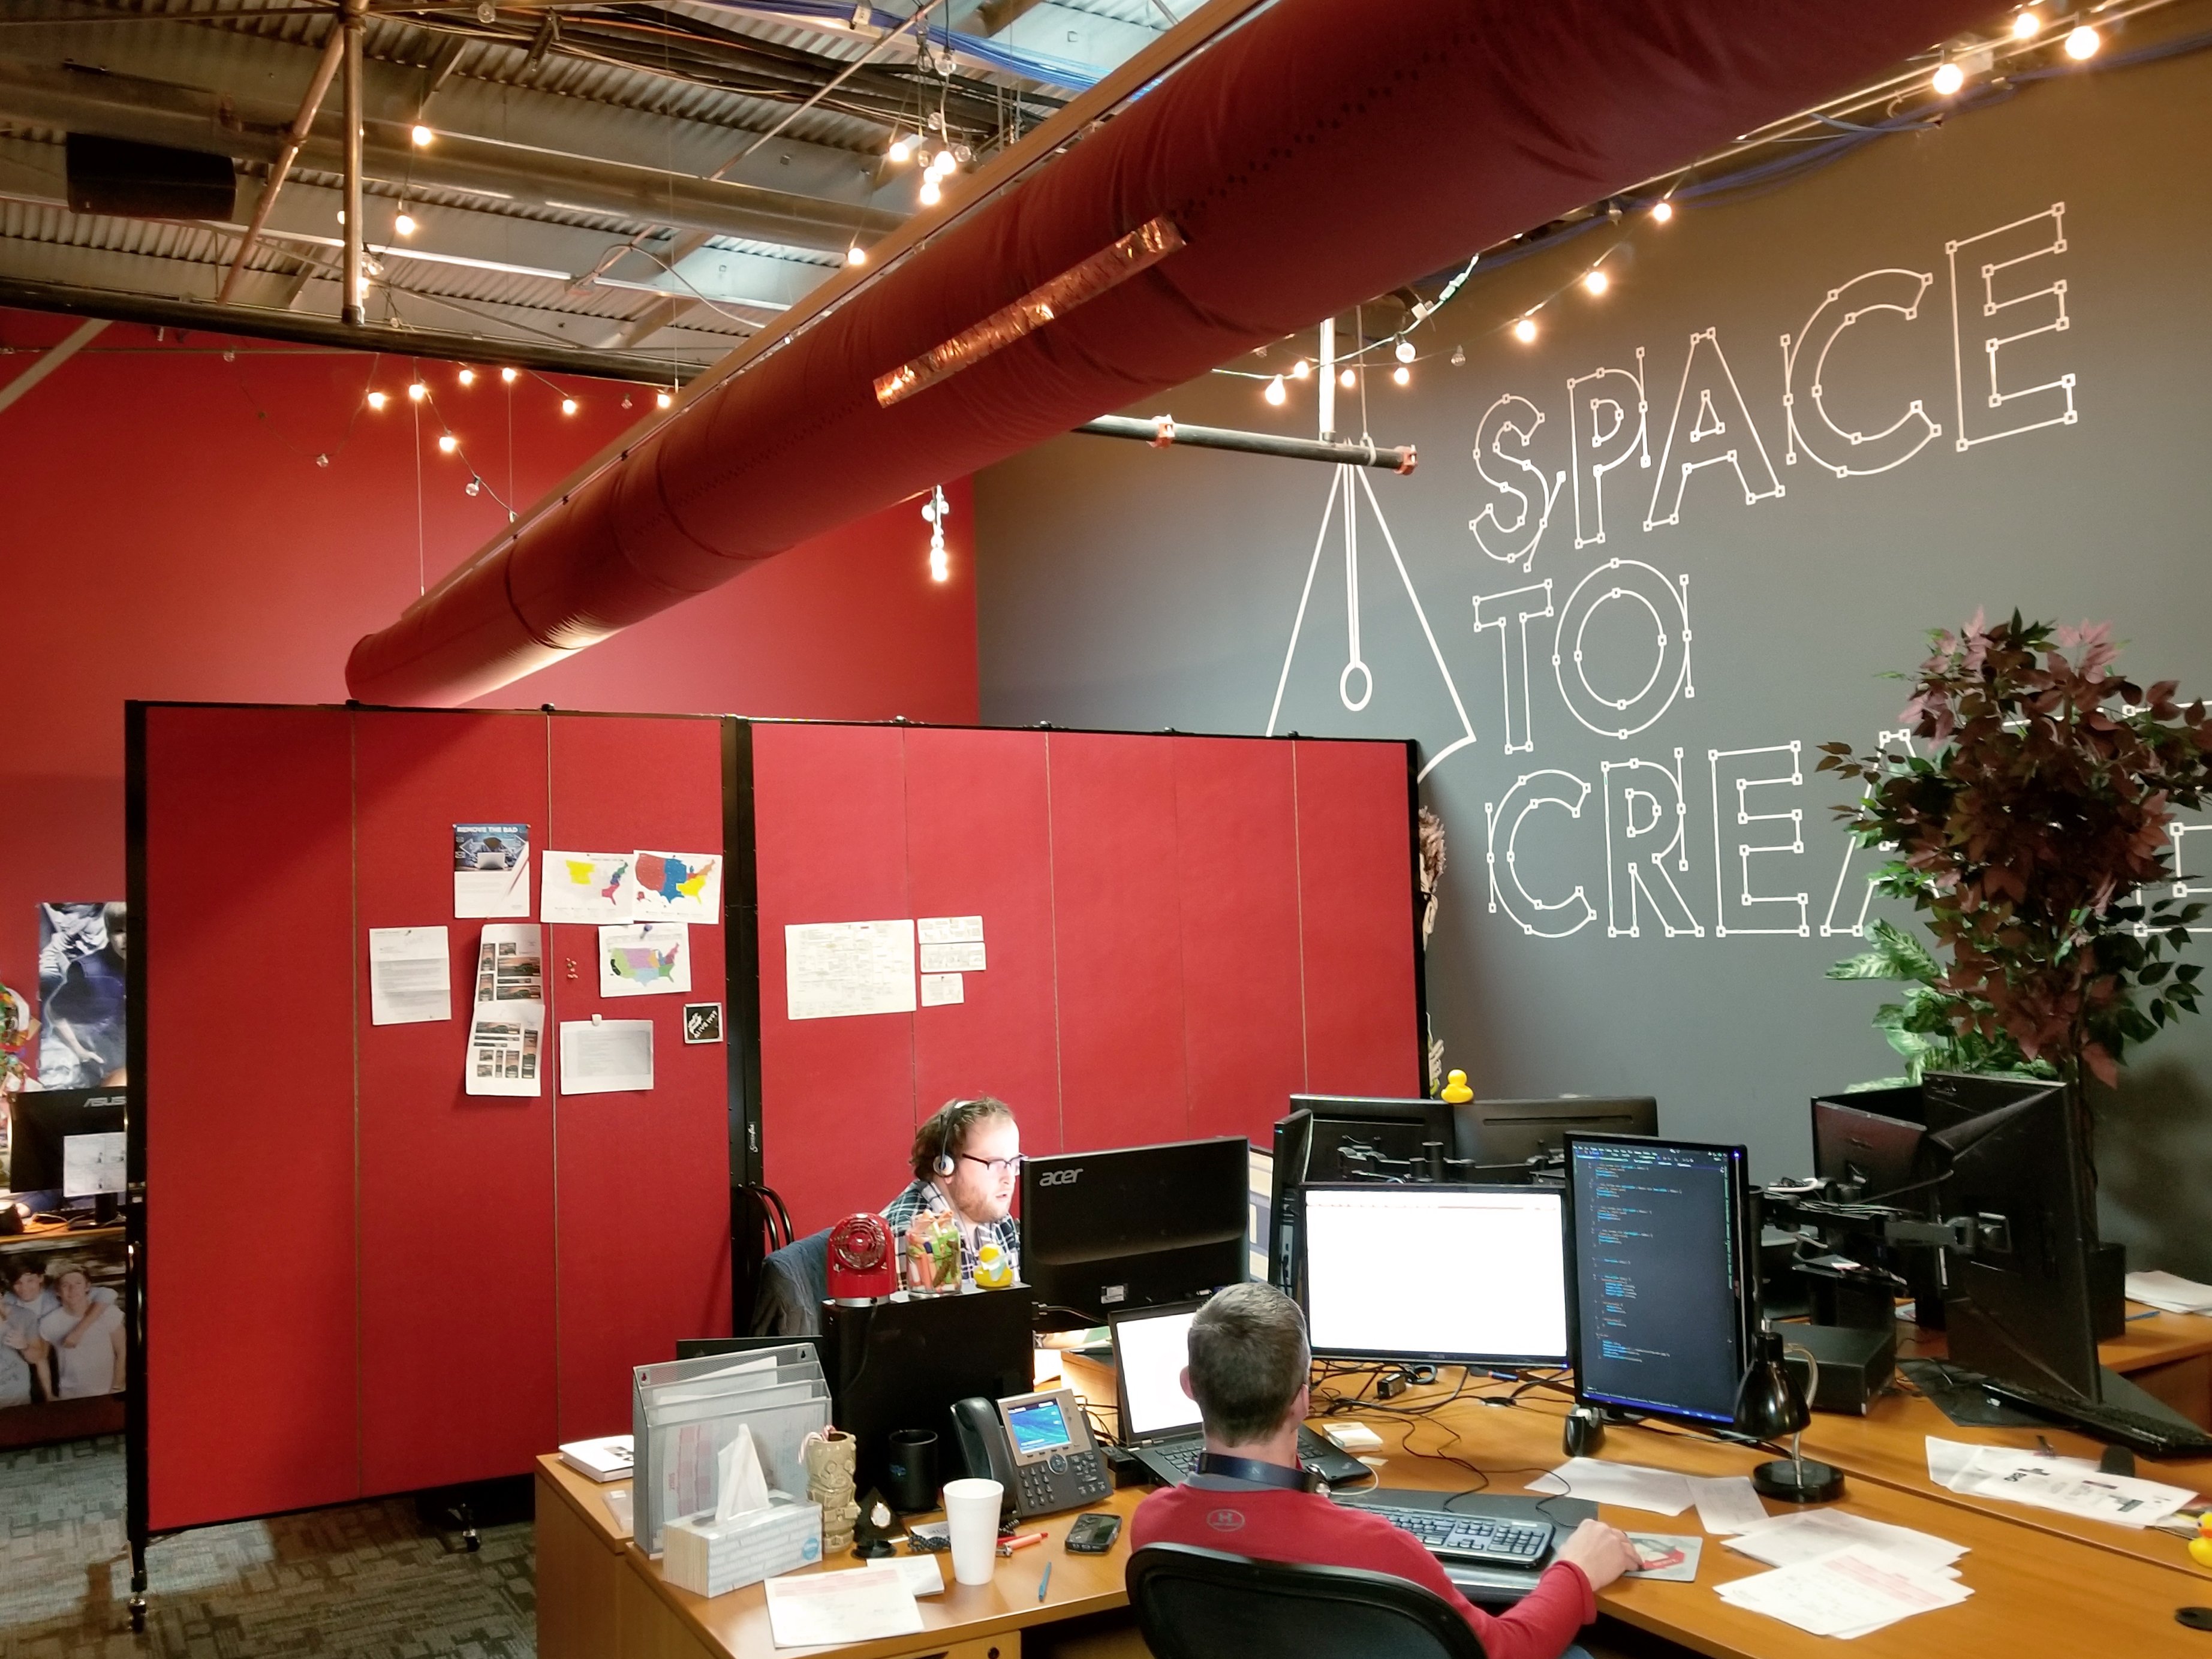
(678, 886)
(1630, 1485)
(741, 1487)
(2170, 1292)
(589, 887)
(606, 1056)
(647, 958)
(939, 989)
(1808, 1534)
(952, 958)
(922, 1574)
(834, 969)
(1848, 1593)
(491, 869)
(949, 930)
(829, 1609)
(2048, 1483)
(409, 975)
(92, 1165)
(1726, 1503)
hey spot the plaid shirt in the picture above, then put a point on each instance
(921, 1195)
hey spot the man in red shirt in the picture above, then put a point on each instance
(1249, 1363)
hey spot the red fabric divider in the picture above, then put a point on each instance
(643, 1201)
(1237, 887)
(1120, 929)
(979, 842)
(1356, 881)
(836, 1095)
(247, 918)
(456, 1264)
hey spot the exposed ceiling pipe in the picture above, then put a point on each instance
(269, 323)
(1309, 159)
(155, 112)
(334, 49)
(353, 282)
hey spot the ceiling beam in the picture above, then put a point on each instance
(995, 15)
(261, 323)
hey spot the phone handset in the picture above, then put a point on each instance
(983, 1442)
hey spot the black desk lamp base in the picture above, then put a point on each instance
(1795, 1480)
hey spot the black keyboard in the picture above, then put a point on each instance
(1489, 1540)
(2139, 1431)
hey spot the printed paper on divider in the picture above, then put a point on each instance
(834, 970)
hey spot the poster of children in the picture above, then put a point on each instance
(61, 1322)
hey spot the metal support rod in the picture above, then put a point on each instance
(351, 285)
(294, 135)
(1162, 431)
(55, 357)
(267, 323)
(1328, 368)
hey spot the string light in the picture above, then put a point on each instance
(508, 376)
(568, 406)
(405, 224)
(1277, 393)
(944, 161)
(1403, 375)
(1405, 351)
(856, 255)
(447, 443)
(935, 511)
(1596, 283)
(466, 377)
(417, 391)
(1347, 380)
(421, 135)
(1459, 356)
(902, 147)
(1301, 370)
(2025, 25)
(1525, 330)
(665, 399)
(472, 486)
(1661, 211)
(931, 195)
(1948, 79)
(377, 400)
(2083, 43)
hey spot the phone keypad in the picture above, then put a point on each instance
(1077, 1479)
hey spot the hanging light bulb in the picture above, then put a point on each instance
(417, 391)
(2083, 43)
(944, 161)
(931, 195)
(377, 400)
(1459, 356)
(1525, 330)
(1405, 351)
(466, 377)
(625, 402)
(1347, 380)
(2027, 25)
(568, 406)
(1403, 375)
(1596, 283)
(472, 486)
(1948, 79)
(1301, 370)
(665, 399)
(1277, 393)
(404, 224)
(1661, 211)
(856, 255)
(508, 376)
(421, 135)
(902, 150)
(447, 443)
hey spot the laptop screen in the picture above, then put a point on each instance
(1151, 1350)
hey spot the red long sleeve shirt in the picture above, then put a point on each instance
(1278, 1524)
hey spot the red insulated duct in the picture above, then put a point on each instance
(1325, 152)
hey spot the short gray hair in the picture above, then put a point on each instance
(1248, 1361)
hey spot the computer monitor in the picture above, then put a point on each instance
(1665, 1296)
(1443, 1273)
(1134, 1227)
(43, 1123)
(2017, 1307)
(1495, 1132)
(1152, 1346)
(1357, 1137)
(1293, 1150)
(1259, 1210)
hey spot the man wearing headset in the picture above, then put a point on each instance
(967, 1162)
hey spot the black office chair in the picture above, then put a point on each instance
(1202, 1604)
(794, 1283)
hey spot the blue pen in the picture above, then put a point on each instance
(1044, 1580)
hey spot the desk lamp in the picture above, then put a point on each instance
(1767, 1404)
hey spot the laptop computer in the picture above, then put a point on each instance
(1159, 1422)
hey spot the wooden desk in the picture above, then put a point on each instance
(2038, 1590)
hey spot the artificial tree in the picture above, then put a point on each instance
(2033, 832)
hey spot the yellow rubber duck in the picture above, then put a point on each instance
(1456, 1091)
(2200, 1548)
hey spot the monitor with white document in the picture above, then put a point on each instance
(1435, 1273)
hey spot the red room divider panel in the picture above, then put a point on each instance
(1177, 933)
(241, 899)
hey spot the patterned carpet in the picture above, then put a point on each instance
(363, 1580)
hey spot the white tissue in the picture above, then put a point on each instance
(741, 1486)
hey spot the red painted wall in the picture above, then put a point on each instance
(167, 532)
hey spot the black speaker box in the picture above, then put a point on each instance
(1854, 1364)
(148, 181)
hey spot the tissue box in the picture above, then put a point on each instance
(711, 1558)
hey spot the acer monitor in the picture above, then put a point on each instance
(1134, 1227)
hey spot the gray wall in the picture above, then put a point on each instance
(1121, 587)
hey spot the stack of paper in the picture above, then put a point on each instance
(2170, 1292)
(1847, 1593)
(1789, 1541)
(2071, 1485)
(1632, 1485)
(608, 1458)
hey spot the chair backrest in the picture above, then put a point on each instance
(1203, 1604)
(794, 1283)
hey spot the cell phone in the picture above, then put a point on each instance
(1093, 1534)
